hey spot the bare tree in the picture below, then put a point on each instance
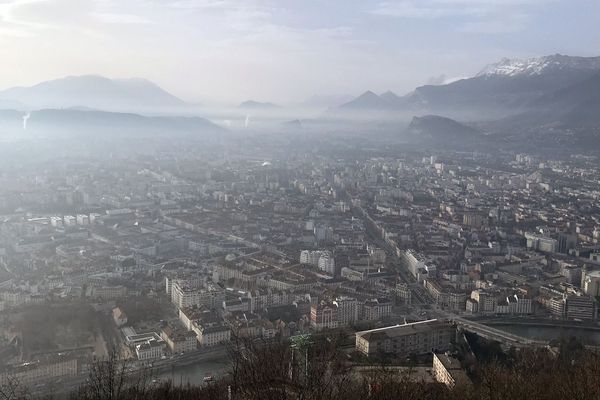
(110, 379)
(11, 389)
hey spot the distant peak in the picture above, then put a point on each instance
(390, 96)
(368, 93)
(368, 100)
(93, 91)
(257, 104)
(539, 65)
(99, 77)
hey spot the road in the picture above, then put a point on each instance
(490, 332)
(155, 368)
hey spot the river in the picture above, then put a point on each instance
(194, 374)
(587, 336)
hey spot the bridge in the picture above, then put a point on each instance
(539, 323)
(490, 333)
(499, 335)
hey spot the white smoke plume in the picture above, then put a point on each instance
(25, 118)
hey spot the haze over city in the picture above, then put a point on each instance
(317, 200)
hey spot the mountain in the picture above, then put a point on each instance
(8, 104)
(325, 102)
(435, 127)
(81, 124)
(256, 105)
(367, 101)
(95, 92)
(550, 101)
(504, 88)
(509, 87)
(391, 98)
(571, 115)
(541, 66)
(576, 105)
(566, 117)
(586, 98)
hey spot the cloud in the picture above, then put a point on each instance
(25, 18)
(444, 80)
(204, 4)
(496, 25)
(47, 14)
(115, 18)
(472, 16)
(421, 10)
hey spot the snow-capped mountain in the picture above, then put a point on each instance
(508, 87)
(541, 65)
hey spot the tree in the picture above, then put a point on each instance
(11, 389)
(109, 379)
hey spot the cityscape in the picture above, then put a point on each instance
(164, 258)
(439, 244)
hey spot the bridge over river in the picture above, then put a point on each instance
(491, 333)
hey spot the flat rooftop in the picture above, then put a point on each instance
(404, 329)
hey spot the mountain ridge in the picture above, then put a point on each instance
(507, 88)
(93, 91)
(76, 123)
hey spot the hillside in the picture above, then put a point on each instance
(92, 91)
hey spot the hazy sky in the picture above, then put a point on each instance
(283, 51)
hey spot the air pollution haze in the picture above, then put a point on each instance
(326, 200)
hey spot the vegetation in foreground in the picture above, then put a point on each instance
(262, 371)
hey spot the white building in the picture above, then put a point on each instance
(69, 220)
(83, 219)
(150, 349)
(56, 222)
(590, 283)
(541, 243)
(319, 258)
(447, 370)
(184, 295)
(519, 305)
(403, 340)
(213, 335)
(327, 263)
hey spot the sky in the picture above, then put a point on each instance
(283, 51)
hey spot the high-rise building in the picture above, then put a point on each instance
(590, 283)
(347, 310)
(566, 242)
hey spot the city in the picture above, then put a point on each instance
(163, 260)
(316, 200)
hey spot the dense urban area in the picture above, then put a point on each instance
(299, 200)
(418, 258)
